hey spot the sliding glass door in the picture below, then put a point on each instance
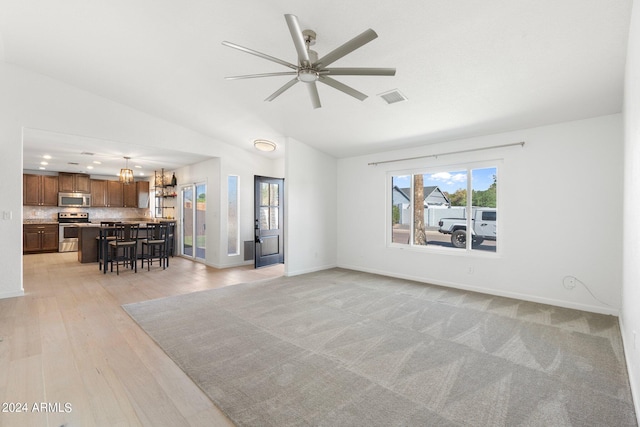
(193, 208)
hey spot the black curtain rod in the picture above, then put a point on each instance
(521, 143)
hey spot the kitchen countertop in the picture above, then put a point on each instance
(96, 223)
(39, 221)
(142, 223)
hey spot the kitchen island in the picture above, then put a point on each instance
(88, 242)
(88, 239)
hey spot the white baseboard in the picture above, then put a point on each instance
(289, 273)
(628, 355)
(516, 295)
(12, 294)
(223, 266)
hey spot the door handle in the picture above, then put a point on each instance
(256, 233)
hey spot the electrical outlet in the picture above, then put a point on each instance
(470, 269)
(569, 282)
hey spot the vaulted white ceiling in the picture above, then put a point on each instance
(467, 67)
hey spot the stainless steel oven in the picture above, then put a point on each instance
(68, 230)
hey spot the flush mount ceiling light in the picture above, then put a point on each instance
(126, 174)
(264, 145)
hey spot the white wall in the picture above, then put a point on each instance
(38, 102)
(630, 315)
(310, 213)
(570, 167)
(246, 169)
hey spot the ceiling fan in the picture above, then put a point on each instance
(311, 69)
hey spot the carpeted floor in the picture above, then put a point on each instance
(344, 348)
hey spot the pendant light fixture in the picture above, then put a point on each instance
(126, 174)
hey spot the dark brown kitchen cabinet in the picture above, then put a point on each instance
(74, 183)
(136, 195)
(115, 194)
(129, 195)
(39, 190)
(142, 194)
(98, 193)
(38, 238)
(106, 194)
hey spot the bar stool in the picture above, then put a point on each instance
(123, 249)
(155, 245)
(171, 232)
(107, 233)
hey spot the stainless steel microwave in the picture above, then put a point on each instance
(74, 200)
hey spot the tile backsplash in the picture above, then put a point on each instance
(95, 214)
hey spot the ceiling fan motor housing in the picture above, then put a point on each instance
(309, 37)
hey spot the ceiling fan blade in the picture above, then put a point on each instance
(298, 39)
(286, 86)
(259, 54)
(358, 71)
(348, 47)
(343, 88)
(253, 76)
(313, 92)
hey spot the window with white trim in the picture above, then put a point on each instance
(233, 214)
(455, 208)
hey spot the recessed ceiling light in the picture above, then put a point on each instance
(42, 168)
(46, 156)
(44, 163)
(138, 166)
(264, 145)
(95, 162)
(89, 167)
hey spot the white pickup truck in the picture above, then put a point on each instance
(483, 226)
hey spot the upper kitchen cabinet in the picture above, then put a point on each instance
(142, 193)
(115, 195)
(106, 194)
(74, 183)
(39, 190)
(98, 193)
(136, 195)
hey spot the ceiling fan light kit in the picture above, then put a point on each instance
(308, 75)
(311, 69)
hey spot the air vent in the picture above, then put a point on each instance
(73, 163)
(87, 153)
(392, 96)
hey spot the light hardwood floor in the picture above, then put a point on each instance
(69, 342)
